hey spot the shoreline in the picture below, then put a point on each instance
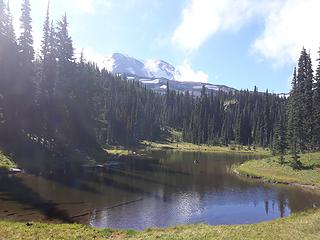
(263, 179)
(269, 170)
(147, 146)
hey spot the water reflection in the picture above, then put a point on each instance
(166, 189)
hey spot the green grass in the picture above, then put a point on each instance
(298, 226)
(184, 146)
(5, 162)
(118, 152)
(123, 151)
(269, 169)
(14, 230)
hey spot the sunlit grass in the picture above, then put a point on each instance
(184, 146)
(118, 152)
(173, 141)
(298, 226)
(270, 169)
(5, 162)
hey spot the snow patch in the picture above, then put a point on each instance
(160, 69)
(156, 81)
(153, 68)
(212, 87)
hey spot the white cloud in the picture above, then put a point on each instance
(90, 55)
(287, 25)
(85, 5)
(185, 73)
(288, 28)
(89, 6)
(203, 18)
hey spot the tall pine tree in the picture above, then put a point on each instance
(9, 79)
(316, 108)
(294, 121)
(26, 87)
(280, 141)
(304, 101)
(26, 39)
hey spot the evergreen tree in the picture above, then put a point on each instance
(65, 49)
(308, 104)
(26, 40)
(65, 56)
(2, 31)
(316, 108)
(7, 35)
(6, 26)
(280, 143)
(267, 122)
(47, 81)
(45, 50)
(26, 87)
(304, 101)
(293, 122)
(9, 80)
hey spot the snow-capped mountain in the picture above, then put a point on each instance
(120, 63)
(155, 74)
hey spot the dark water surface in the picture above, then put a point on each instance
(168, 188)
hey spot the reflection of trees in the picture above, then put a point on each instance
(266, 206)
(282, 203)
(19, 192)
(300, 200)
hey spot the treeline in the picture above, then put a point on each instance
(242, 117)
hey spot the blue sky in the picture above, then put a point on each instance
(239, 43)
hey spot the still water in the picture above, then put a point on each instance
(162, 189)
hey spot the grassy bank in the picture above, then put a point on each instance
(5, 162)
(172, 140)
(118, 152)
(184, 146)
(269, 169)
(297, 226)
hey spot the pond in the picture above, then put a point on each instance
(165, 188)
